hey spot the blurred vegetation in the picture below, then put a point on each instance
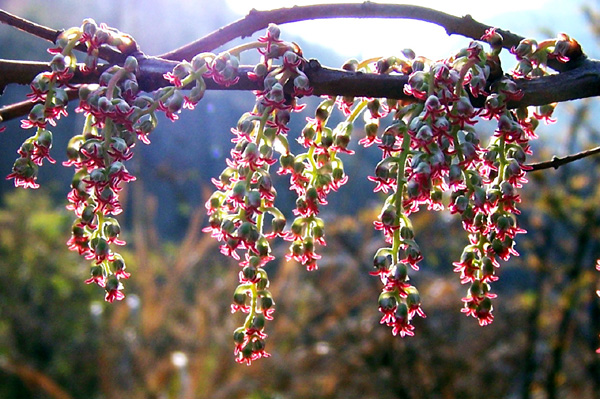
(42, 302)
(171, 337)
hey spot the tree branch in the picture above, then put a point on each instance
(556, 162)
(109, 54)
(30, 27)
(581, 82)
(22, 108)
(259, 20)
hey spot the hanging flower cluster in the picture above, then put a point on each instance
(117, 115)
(431, 156)
(244, 203)
(97, 153)
(430, 152)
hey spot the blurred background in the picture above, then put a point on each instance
(172, 335)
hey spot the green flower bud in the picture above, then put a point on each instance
(58, 63)
(37, 113)
(44, 138)
(265, 300)
(197, 93)
(175, 102)
(258, 322)
(239, 335)
(273, 31)
(112, 229)
(131, 64)
(387, 301)
(24, 167)
(287, 161)
(399, 272)
(199, 61)
(260, 70)
(88, 214)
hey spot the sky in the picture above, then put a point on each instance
(363, 40)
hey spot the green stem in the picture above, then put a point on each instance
(311, 159)
(454, 133)
(400, 182)
(108, 130)
(259, 137)
(88, 127)
(356, 111)
(273, 211)
(197, 75)
(112, 83)
(482, 242)
(253, 305)
(502, 155)
(72, 43)
(236, 51)
(364, 63)
(261, 127)
(150, 110)
(459, 88)
(430, 82)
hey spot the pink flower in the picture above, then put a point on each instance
(113, 295)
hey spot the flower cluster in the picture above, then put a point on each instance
(313, 174)
(533, 57)
(432, 151)
(117, 115)
(431, 156)
(97, 154)
(48, 92)
(244, 202)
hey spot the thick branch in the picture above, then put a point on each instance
(259, 20)
(581, 82)
(556, 161)
(23, 72)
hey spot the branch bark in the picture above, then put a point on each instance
(28, 26)
(259, 20)
(580, 82)
(49, 34)
(556, 162)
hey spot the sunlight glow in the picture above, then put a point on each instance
(362, 38)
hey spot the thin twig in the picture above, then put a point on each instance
(556, 162)
(22, 108)
(28, 26)
(49, 34)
